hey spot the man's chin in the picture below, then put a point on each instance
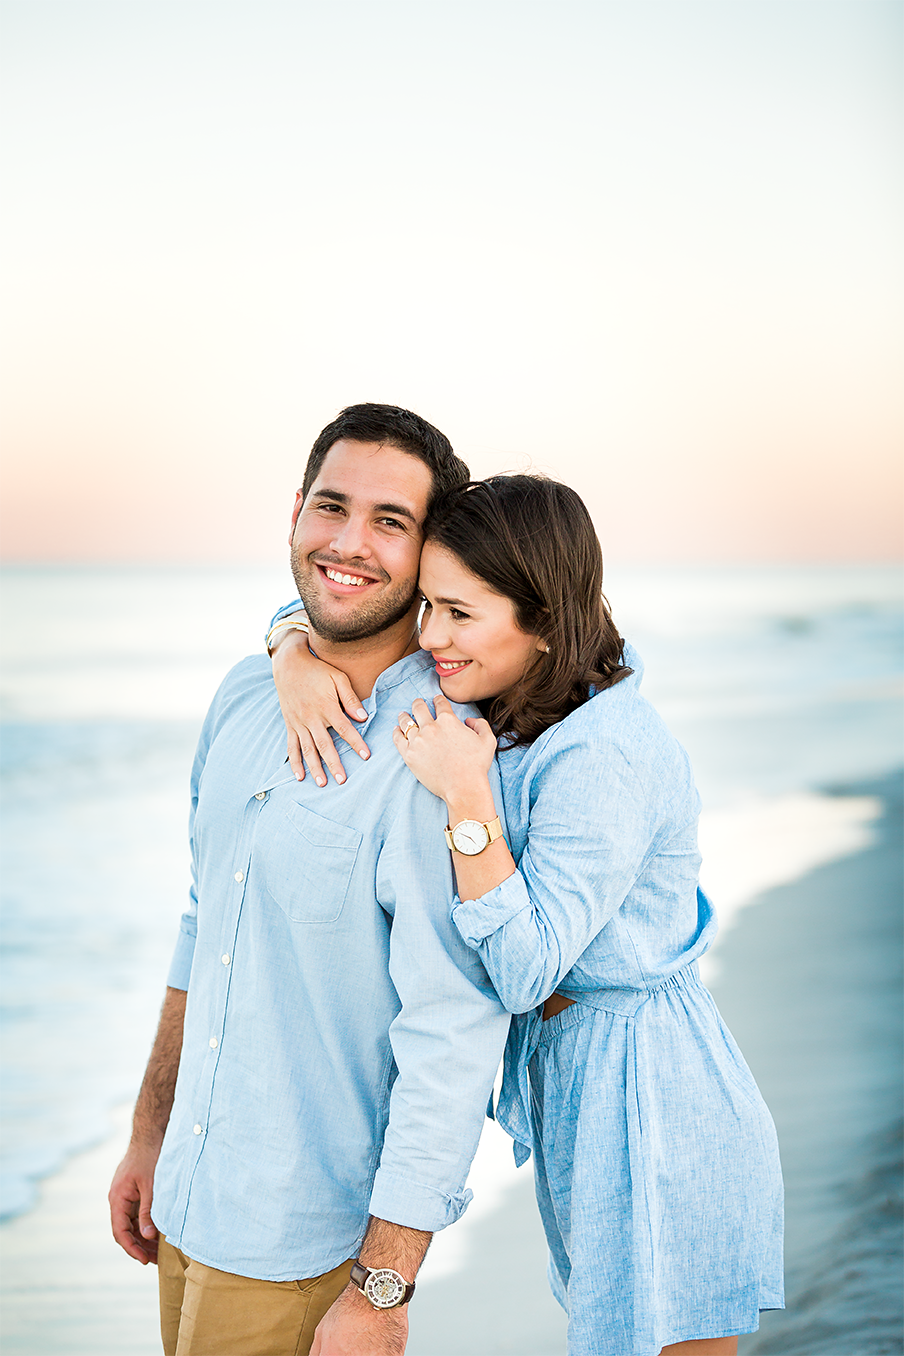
(365, 624)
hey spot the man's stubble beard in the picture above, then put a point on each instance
(369, 620)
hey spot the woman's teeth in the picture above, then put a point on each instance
(452, 666)
(338, 578)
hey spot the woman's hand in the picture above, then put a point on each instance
(312, 696)
(450, 757)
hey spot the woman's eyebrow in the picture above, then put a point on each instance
(454, 602)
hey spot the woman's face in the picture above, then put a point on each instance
(478, 649)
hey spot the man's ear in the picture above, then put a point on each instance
(299, 500)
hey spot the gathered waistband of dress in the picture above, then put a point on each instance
(619, 1002)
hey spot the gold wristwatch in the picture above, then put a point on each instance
(470, 836)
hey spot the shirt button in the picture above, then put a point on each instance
(213, 1042)
(240, 876)
(225, 960)
(197, 1130)
(260, 795)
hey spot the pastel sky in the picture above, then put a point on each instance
(650, 247)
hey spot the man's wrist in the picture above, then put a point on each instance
(383, 1287)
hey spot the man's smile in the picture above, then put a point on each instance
(343, 580)
(338, 578)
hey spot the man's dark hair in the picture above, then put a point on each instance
(532, 540)
(392, 427)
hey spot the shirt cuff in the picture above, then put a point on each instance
(401, 1201)
(477, 919)
(180, 966)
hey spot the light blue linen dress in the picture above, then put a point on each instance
(656, 1160)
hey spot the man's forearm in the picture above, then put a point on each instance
(394, 1246)
(132, 1189)
(353, 1327)
(158, 1088)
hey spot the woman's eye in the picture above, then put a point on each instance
(458, 616)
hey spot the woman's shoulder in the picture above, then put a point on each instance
(617, 723)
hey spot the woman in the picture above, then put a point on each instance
(656, 1164)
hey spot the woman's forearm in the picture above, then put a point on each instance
(476, 876)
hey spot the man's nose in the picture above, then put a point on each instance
(351, 539)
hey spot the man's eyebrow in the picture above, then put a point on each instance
(399, 510)
(340, 497)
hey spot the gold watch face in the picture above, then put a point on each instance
(385, 1288)
(470, 837)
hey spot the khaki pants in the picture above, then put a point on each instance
(204, 1312)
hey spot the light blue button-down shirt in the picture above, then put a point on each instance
(340, 1039)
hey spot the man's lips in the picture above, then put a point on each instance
(343, 581)
(446, 667)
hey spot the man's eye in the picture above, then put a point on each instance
(392, 522)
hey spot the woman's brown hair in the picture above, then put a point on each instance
(532, 540)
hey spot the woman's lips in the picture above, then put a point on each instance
(447, 667)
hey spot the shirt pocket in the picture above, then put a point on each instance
(308, 865)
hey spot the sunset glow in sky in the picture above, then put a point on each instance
(651, 248)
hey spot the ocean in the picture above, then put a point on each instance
(784, 683)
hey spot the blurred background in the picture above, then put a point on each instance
(651, 249)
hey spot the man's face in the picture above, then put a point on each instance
(356, 540)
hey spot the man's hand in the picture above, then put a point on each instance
(130, 1203)
(353, 1327)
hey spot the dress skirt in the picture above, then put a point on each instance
(657, 1171)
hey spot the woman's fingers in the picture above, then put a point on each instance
(349, 699)
(327, 750)
(296, 762)
(345, 730)
(311, 757)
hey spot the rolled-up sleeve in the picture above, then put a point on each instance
(447, 1039)
(592, 827)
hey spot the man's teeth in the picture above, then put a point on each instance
(338, 578)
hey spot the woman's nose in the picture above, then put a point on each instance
(432, 637)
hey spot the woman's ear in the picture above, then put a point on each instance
(542, 645)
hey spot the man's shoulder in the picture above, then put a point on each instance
(251, 677)
(250, 673)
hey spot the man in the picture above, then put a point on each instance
(335, 1041)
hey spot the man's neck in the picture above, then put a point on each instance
(362, 661)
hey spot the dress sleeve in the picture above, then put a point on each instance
(594, 823)
(286, 610)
